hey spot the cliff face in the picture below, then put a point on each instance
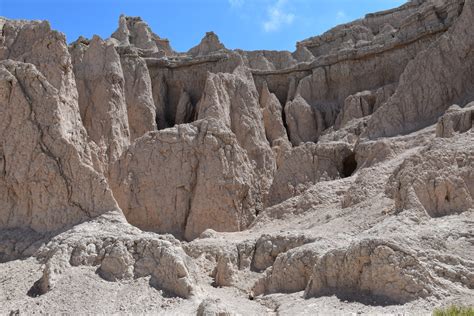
(344, 168)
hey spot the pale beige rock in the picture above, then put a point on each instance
(183, 72)
(208, 45)
(350, 224)
(305, 123)
(34, 42)
(302, 54)
(101, 87)
(455, 120)
(356, 106)
(270, 60)
(210, 307)
(439, 180)
(272, 117)
(382, 270)
(47, 178)
(305, 165)
(185, 180)
(134, 31)
(290, 272)
(225, 271)
(121, 252)
(268, 247)
(438, 77)
(141, 113)
(233, 99)
(184, 110)
(117, 264)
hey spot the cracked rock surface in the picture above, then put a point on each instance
(338, 178)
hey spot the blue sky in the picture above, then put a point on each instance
(245, 24)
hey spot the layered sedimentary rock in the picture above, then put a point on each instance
(187, 179)
(437, 77)
(209, 44)
(141, 112)
(134, 31)
(439, 180)
(371, 267)
(455, 120)
(272, 118)
(218, 181)
(120, 252)
(305, 123)
(233, 99)
(48, 181)
(100, 83)
(305, 165)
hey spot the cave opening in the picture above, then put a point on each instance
(35, 290)
(349, 165)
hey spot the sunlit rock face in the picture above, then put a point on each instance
(339, 177)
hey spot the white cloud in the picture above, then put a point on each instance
(277, 17)
(340, 15)
(236, 3)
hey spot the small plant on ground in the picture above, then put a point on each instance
(454, 311)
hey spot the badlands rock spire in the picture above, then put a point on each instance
(137, 179)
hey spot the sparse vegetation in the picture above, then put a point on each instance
(454, 311)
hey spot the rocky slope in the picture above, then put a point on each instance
(337, 178)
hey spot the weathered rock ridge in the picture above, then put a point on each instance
(221, 182)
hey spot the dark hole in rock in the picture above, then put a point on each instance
(349, 166)
(35, 290)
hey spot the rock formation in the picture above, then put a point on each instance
(100, 83)
(339, 177)
(47, 180)
(187, 179)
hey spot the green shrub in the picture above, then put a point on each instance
(454, 311)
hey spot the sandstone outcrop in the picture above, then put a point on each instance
(47, 176)
(165, 182)
(363, 104)
(101, 87)
(272, 119)
(209, 44)
(439, 180)
(120, 252)
(34, 42)
(307, 164)
(336, 178)
(380, 269)
(134, 31)
(437, 77)
(269, 247)
(305, 123)
(291, 270)
(455, 120)
(233, 99)
(141, 112)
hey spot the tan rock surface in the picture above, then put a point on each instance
(101, 88)
(305, 165)
(185, 180)
(47, 177)
(438, 77)
(141, 112)
(233, 99)
(138, 180)
(455, 120)
(305, 123)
